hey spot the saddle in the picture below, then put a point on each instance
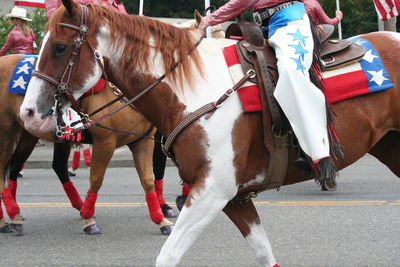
(337, 53)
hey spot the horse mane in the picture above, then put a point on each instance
(141, 34)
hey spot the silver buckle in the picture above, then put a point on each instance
(257, 18)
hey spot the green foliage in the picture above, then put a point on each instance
(38, 25)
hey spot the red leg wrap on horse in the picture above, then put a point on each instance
(87, 210)
(87, 156)
(73, 195)
(76, 160)
(10, 204)
(276, 265)
(1, 210)
(159, 185)
(12, 187)
(185, 189)
(156, 214)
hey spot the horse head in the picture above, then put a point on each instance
(66, 67)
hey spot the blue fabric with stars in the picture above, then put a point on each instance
(378, 77)
(282, 17)
(299, 49)
(22, 75)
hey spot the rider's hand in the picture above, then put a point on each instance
(339, 15)
(203, 25)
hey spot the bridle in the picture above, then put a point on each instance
(63, 84)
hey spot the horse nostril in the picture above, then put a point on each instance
(30, 112)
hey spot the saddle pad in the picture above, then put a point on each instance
(22, 75)
(249, 92)
(366, 76)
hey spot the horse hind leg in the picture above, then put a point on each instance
(204, 202)
(244, 215)
(387, 151)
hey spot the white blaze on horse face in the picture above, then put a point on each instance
(34, 122)
(259, 242)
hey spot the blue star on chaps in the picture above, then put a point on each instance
(299, 50)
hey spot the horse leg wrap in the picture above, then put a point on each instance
(88, 207)
(159, 185)
(76, 160)
(156, 214)
(185, 189)
(276, 265)
(73, 195)
(87, 156)
(10, 203)
(12, 187)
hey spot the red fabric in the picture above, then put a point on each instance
(335, 91)
(87, 156)
(317, 14)
(31, 3)
(1, 210)
(12, 187)
(159, 185)
(276, 265)
(185, 189)
(387, 9)
(156, 214)
(249, 92)
(76, 160)
(73, 195)
(88, 207)
(10, 204)
(97, 88)
(18, 43)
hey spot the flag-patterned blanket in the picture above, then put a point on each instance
(22, 75)
(366, 76)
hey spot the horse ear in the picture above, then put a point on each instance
(197, 17)
(69, 6)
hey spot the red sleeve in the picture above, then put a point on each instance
(51, 7)
(228, 11)
(9, 43)
(317, 14)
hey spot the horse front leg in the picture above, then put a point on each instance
(142, 155)
(244, 215)
(101, 156)
(205, 200)
(60, 166)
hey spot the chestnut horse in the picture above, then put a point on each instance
(104, 144)
(221, 155)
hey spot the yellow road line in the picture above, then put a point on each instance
(272, 203)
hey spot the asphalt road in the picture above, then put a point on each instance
(358, 225)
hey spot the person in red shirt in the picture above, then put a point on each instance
(286, 26)
(318, 15)
(21, 39)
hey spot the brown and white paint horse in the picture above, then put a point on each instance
(221, 156)
(104, 144)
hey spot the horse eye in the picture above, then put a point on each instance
(59, 49)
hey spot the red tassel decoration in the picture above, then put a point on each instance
(88, 207)
(156, 214)
(185, 189)
(76, 160)
(159, 185)
(73, 195)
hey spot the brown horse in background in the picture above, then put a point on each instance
(222, 155)
(104, 144)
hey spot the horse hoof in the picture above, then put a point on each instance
(166, 230)
(168, 211)
(329, 185)
(6, 229)
(180, 201)
(18, 229)
(92, 229)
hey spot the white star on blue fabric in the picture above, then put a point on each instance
(377, 77)
(369, 56)
(25, 69)
(29, 59)
(20, 82)
(298, 37)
